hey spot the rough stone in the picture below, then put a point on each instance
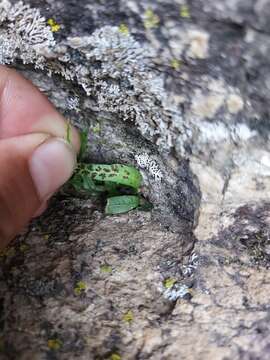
(190, 92)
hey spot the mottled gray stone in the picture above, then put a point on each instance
(192, 276)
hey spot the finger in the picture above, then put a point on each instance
(24, 109)
(32, 168)
(41, 210)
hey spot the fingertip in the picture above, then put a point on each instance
(33, 167)
(25, 110)
(51, 165)
(57, 126)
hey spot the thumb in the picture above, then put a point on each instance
(32, 167)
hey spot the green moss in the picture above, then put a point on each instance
(24, 247)
(128, 316)
(106, 269)
(184, 12)
(151, 20)
(96, 129)
(115, 356)
(176, 64)
(123, 29)
(80, 288)
(54, 344)
(168, 283)
(53, 25)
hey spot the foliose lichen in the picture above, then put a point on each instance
(117, 70)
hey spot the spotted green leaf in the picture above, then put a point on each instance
(82, 182)
(121, 174)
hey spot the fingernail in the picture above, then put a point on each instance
(51, 165)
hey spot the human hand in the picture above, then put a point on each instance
(35, 160)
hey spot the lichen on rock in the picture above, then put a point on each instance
(178, 89)
(24, 33)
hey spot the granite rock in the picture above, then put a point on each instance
(184, 84)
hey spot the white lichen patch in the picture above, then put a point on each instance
(193, 262)
(250, 36)
(145, 162)
(177, 291)
(198, 44)
(24, 34)
(73, 103)
(77, 42)
(242, 133)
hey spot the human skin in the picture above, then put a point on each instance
(35, 160)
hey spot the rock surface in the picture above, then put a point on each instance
(186, 85)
